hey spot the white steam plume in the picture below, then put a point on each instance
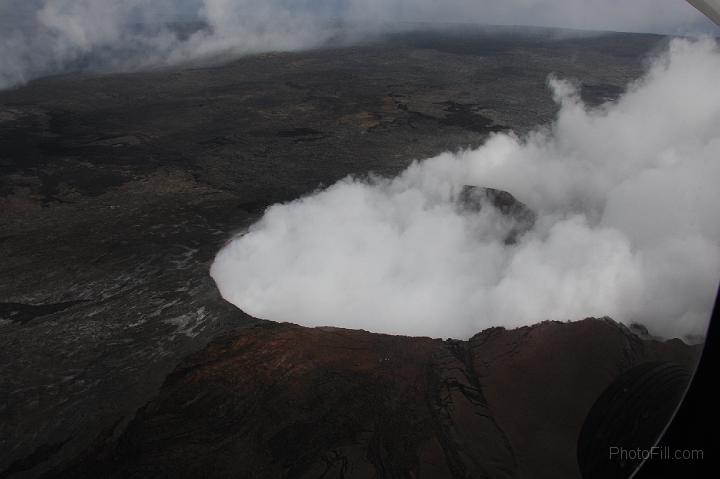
(626, 197)
(42, 37)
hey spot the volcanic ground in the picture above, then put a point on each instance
(117, 190)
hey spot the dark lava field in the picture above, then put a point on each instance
(116, 192)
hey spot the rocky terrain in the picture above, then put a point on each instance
(279, 400)
(116, 191)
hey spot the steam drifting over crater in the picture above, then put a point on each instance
(626, 225)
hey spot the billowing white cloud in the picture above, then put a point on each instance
(41, 37)
(626, 197)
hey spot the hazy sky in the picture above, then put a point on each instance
(634, 15)
(40, 37)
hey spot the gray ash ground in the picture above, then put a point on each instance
(116, 191)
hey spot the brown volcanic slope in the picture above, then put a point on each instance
(279, 400)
